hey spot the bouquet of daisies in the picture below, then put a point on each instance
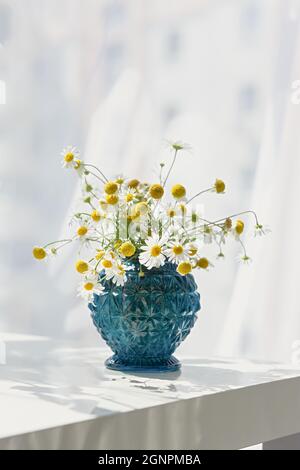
(126, 220)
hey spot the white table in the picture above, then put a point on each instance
(55, 396)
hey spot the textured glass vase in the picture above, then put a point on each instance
(147, 319)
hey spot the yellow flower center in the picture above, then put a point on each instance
(81, 231)
(203, 263)
(178, 191)
(120, 180)
(192, 251)
(88, 286)
(155, 250)
(106, 263)
(121, 269)
(69, 157)
(239, 228)
(129, 197)
(133, 183)
(171, 213)
(39, 252)
(184, 268)
(127, 249)
(77, 164)
(219, 186)
(177, 249)
(111, 187)
(100, 254)
(81, 266)
(95, 216)
(112, 199)
(156, 191)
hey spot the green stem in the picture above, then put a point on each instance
(96, 168)
(67, 240)
(199, 194)
(171, 167)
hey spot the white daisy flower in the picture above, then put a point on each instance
(70, 154)
(261, 230)
(84, 230)
(89, 286)
(117, 274)
(153, 255)
(109, 262)
(129, 195)
(244, 258)
(177, 252)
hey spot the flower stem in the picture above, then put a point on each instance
(96, 168)
(199, 194)
(171, 167)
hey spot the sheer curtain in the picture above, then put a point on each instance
(264, 315)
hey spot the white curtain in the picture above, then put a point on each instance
(263, 321)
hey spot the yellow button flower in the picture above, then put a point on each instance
(133, 183)
(100, 254)
(88, 286)
(95, 215)
(178, 191)
(156, 191)
(184, 268)
(129, 197)
(127, 249)
(39, 252)
(69, 157)
(202, 263)
(219, 186)
(106, 263)
(239, 227)
(81, 266)
(82, 231)
(112, 199)
(111, 187)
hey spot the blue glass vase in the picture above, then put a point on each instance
(144, 321)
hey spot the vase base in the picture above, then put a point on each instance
(167, 365)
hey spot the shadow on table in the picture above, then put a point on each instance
(76, 378)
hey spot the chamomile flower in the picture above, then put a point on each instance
(109, 260)
(130, 195)
(238, 229)
(261, 230)
(177, 252)
(153, 252)
(89, 286)
(244, 258)
(203, 263)
(70, 154)
(179, 145)
(84, 231)
(117, 274)
(208, 235)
